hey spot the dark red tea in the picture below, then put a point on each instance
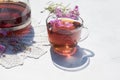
(14, 14)
(63, 35)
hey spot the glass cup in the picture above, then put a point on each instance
(64, 34)
(15, 17)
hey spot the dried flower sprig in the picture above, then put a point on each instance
(61, 10)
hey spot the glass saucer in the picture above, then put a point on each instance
(78, 61)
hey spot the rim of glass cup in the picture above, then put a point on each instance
(79, 20)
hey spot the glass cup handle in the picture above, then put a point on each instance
(84, 33)
(88, 52)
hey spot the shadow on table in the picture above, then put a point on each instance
(15, 44)
(76, 62)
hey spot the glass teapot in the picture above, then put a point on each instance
(15, 17)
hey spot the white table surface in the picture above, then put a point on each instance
(102, 17)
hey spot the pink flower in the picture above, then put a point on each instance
(58, 12)
(59, 23)
(3, 32)
(2, 49)
(56, 23)
(76, 11)
(68, 24)
(76, 8)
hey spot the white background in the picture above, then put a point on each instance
(102, 17)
